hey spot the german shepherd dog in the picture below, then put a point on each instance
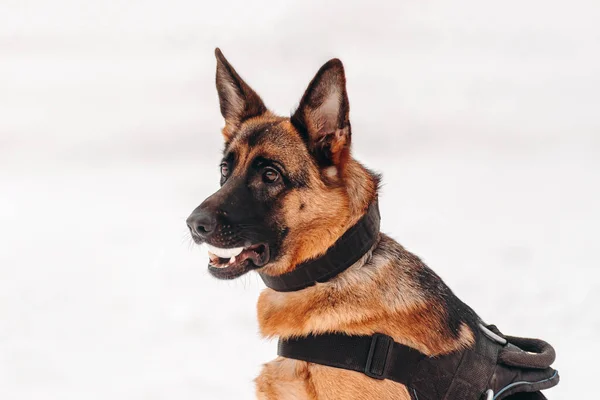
(289, 189)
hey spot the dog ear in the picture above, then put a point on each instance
(323, 115)
(237, 100)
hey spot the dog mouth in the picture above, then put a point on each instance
(233, 262)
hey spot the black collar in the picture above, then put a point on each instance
(348, 249)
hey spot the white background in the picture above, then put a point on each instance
(483, 117)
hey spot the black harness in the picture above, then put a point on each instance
(496, 367)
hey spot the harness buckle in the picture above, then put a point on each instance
(381, 346)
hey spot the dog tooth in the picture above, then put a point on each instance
(224, 253)
(232, 260)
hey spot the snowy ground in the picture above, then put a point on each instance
(483, 119)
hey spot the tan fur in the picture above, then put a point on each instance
(286, 379)
(376, 295)
(381, 293)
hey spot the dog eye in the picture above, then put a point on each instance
(224, 170)
(270, 175)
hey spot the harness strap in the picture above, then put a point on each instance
(480, 370)
(377, 356)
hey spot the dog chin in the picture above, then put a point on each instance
(230, 263)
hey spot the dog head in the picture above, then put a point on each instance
(289, 187)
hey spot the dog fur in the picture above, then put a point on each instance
(325, 191)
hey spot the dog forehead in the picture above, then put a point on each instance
(271, 138)
(278, 131)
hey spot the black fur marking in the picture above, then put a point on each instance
(244, 214)
(302, 205)
(298, 123)
(229, 157)
(456, 311)
(443, 301)
(299, 180)
(260, 134)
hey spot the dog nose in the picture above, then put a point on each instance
(202, 222)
